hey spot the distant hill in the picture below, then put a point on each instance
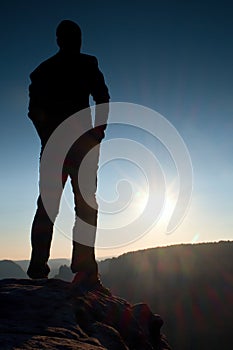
(54, 265)
(9, 269)
(189, 285)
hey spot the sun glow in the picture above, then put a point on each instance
(169, 206)
(140, 202)
(141, 198)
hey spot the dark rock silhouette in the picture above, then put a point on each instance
(9, 269)
(65, 273)
(53, 314)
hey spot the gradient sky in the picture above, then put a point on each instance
(175, 57)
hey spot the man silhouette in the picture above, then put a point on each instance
(61, 86)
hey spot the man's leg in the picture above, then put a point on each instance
(41, 237)
(84, 183)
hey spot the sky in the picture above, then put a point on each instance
(174, 57)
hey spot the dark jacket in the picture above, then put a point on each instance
(61, 86)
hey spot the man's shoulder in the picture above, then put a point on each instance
(44, 66)
(51, 62)
(88, 58)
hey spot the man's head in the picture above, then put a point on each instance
(69, 35)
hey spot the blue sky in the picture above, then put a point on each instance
(172, 56)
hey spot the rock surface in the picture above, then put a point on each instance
(53, 314)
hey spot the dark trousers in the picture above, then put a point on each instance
(81, 165)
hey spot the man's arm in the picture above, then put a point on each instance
(100, 94)
(36, 112)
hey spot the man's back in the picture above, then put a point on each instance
(61, 86)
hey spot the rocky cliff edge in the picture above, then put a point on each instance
(54, 314)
